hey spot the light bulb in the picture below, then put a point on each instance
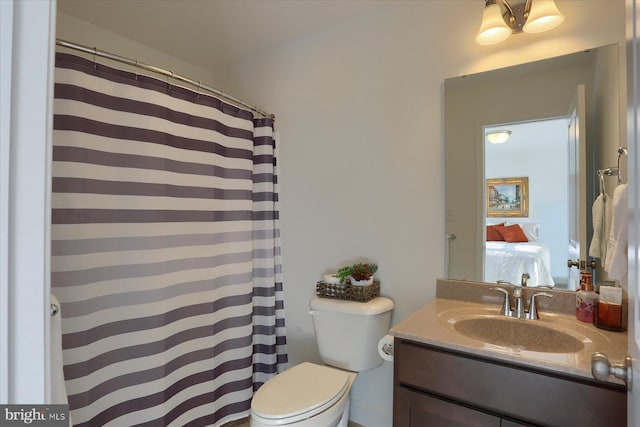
(543, 16)
(493, 28)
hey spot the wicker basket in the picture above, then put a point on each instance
(347, 291)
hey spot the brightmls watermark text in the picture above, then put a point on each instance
(35, 415)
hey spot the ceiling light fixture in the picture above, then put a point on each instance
(498, 136)
(530, 16)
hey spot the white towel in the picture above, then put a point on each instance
(616, 261)
(601, 211)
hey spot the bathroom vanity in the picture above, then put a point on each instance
(533, 375)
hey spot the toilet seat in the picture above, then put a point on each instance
(300, 392)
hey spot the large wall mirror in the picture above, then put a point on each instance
(563, 115)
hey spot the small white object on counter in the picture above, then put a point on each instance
(611, 294)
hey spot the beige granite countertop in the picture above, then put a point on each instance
(432, 325)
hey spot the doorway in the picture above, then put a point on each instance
(538, 151)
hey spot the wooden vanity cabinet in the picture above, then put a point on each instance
(437, 387)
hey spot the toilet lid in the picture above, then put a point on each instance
(303, 388)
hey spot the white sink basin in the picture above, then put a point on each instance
(518, 334)
(551, 334)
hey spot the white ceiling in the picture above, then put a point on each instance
(213, 33)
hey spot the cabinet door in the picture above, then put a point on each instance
(508, 390)
(419, 410)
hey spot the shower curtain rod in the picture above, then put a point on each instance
(96, 52)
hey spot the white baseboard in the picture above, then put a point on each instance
(365, 415)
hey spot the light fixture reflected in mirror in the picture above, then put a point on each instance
(530, 16)
(498, 136)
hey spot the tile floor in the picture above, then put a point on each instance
(239, 423)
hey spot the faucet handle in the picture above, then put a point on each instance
(506, 304)
(523, 280)
(533, 307)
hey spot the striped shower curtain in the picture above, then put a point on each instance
(165, 250)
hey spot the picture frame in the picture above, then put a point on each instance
(507, 197)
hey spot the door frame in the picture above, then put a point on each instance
(577, 185)
(633, 145)
(27, 47)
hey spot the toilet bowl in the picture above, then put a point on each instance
(312, 395)
(307, 395)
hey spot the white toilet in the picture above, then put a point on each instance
(312, 395)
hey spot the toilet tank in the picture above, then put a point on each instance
(348, 332)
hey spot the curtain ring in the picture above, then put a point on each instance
(95, 53)
(137, 69)
(199, 83)
(170, 83)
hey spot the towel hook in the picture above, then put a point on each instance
(622, 151)
(601, 177)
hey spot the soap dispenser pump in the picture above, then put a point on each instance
(586, 298)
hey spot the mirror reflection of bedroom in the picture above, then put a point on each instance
(526, 209)
(529, 173)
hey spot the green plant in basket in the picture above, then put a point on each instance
(362, 271)
(343, 273)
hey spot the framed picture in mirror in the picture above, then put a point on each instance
(507, 197)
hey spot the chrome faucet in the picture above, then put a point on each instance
(506, 303)
(533, 307)
(519, 311)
